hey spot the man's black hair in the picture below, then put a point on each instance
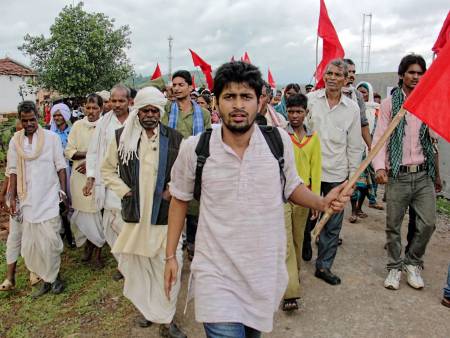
(95, 98)
(268, 89)
(294, 86)
(309, 86)
(26, 107)
(349, 61)
(408, 60)
(133, 93)
(376, 95)
(184, 74)
(238, 72)
(297, 100)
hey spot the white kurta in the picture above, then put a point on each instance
(41, 242)
(141, 246)
(86, 221)
(239, 270)
(42, 182)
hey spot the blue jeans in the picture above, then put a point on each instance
(447, 288)
(230, 330)
(329, 237)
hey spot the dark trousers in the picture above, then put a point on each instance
(411, 227)
(191, 228)
(329, 237)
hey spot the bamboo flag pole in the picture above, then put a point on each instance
(375, 150)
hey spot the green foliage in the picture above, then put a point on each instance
(83, 54)
(443, 206)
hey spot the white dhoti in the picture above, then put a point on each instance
(42, 247)
(14, 241)
(144, 285)
(87, 226)
(112, 226)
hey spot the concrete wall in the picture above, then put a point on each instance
(379, 81)
(9, 92)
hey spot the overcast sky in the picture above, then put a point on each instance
(277, 34)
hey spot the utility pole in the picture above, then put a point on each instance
(366, 40)
(170, 57)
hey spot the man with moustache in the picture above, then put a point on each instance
(37, 171)
(186, 116)
(336, 118)
(239, 271)
(406, 164)
(103, 135)
(146, 147)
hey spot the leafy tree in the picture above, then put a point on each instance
(83, 54)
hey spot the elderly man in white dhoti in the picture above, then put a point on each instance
(144, 151)
(86, 221)
(38, 177)
(105, 197)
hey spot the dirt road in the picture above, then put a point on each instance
(360, 306)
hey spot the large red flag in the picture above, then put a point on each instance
(205, 67)
(271, 80)
(331, 49)
(444, 35)
(430, 100)
(157, 73)
(246, 58)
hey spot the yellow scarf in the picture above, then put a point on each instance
(19, 138)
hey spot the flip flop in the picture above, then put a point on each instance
(34, 279)
(361, 214)
(290, 305)
(352, 219)
(376, 206)
(7, 285)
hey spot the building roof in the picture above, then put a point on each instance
(12, 67)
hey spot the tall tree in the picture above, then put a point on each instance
(83, 54)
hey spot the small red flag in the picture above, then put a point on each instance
(430, 100)
(205, 67)
(193, 82)
(332, 48)
(246, 58)
(444, 35)
(271, 80)
(157, 73)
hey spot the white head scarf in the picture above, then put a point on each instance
(105, 95)
(371, 105)
(64, 110)
(132, 128)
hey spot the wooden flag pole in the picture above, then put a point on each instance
(375, 150)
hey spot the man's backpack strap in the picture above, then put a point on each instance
(202, 151)
(275, 143)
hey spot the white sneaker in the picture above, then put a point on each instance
(413, 276)
(392, 280)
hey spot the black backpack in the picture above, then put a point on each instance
(273, 139)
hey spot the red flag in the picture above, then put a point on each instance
(332, 48)
(245, 58)
(205, 67)
(430, 100)
(157, 73)
(444, 35)
(270, 79)
(193, 82)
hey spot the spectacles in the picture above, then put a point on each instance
(149, 110)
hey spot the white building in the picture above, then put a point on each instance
(14, 87)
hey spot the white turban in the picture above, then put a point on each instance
(133, 129)
(105, 95)
(64, 110)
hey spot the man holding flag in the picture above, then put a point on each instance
(406, 164)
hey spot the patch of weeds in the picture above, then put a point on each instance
(443, 206)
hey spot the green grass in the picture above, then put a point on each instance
(91, 305)
(443, 206)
